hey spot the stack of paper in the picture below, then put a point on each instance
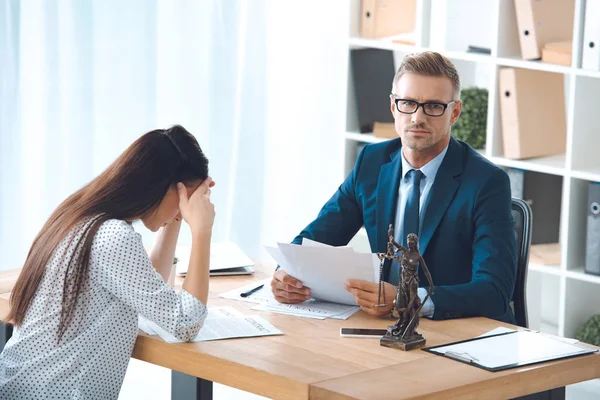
(310, 309)
(324, 269)
(226, 258)
(221, 323)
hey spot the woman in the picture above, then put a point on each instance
(87, 277)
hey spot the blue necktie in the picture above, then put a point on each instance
(411, 210)
(410, 224)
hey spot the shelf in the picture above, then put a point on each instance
(545, 269)
(364, 137)
(554, 165)
(591, 174)
(587, 73)
(388, 44)
(534, 65)
(579, 274)
(383, 44)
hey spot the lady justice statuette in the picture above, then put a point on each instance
(407, 305)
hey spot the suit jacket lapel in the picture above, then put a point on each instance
(442, 192)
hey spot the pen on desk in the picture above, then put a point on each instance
(249, 292)
(461, 356)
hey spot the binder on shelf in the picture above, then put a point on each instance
(558, 53)
(532, 111)
(381, 18)
(372, 75)
(591, 36)
(541, 22)
(543, 193)
(592, 246)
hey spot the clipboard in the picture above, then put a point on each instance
(508, 350)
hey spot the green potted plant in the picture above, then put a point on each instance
(472, 125)
(590, 331)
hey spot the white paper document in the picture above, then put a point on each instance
(510, 349)
(310, 309)
(220, 323)
(324, 269)
(224, 257)
(502, 329)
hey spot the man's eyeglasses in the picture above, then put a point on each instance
(433, 109)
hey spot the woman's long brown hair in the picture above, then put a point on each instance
(132, 187)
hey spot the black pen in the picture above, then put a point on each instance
(249, 292)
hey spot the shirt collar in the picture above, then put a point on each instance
(430, 169)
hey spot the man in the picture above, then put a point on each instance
(425, 182)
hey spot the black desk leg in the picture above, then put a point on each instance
(5, 334)
(187, 387)
(554, 394)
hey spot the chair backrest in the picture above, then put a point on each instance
(522, 215)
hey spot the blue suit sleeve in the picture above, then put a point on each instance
(494, 258)
(341, 217)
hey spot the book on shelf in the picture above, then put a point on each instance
(558, 52)
(385, 130)
(545, 254)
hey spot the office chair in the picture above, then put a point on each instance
(522, 214)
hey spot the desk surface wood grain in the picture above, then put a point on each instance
(311, 360)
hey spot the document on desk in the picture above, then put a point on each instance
(310, 309)
(324, 269)
(221, 323)
(509, 350)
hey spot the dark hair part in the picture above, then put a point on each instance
(131, 187)
(429, 63)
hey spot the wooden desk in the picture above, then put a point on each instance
(311, 360)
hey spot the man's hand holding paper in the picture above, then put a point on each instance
(322, 268)
(288, 289)
(366, 295)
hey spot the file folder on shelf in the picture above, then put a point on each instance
(591, 36)
(532, 111)
(543, 21)
(381, 18)
(509, 350)
(372, 75)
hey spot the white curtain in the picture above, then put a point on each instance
(260, 83)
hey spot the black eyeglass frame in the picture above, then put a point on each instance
(445, 105)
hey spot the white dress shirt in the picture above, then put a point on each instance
(429, 171)
(91, 359)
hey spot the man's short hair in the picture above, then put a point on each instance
(429, 63)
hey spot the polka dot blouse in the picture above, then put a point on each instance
(92, 357)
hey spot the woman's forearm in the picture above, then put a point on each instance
(196, 279)
(163, 252)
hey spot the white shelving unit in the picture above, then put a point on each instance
(560, 298)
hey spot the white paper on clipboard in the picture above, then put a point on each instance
(510, 349)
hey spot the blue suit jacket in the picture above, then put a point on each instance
(467, 236)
